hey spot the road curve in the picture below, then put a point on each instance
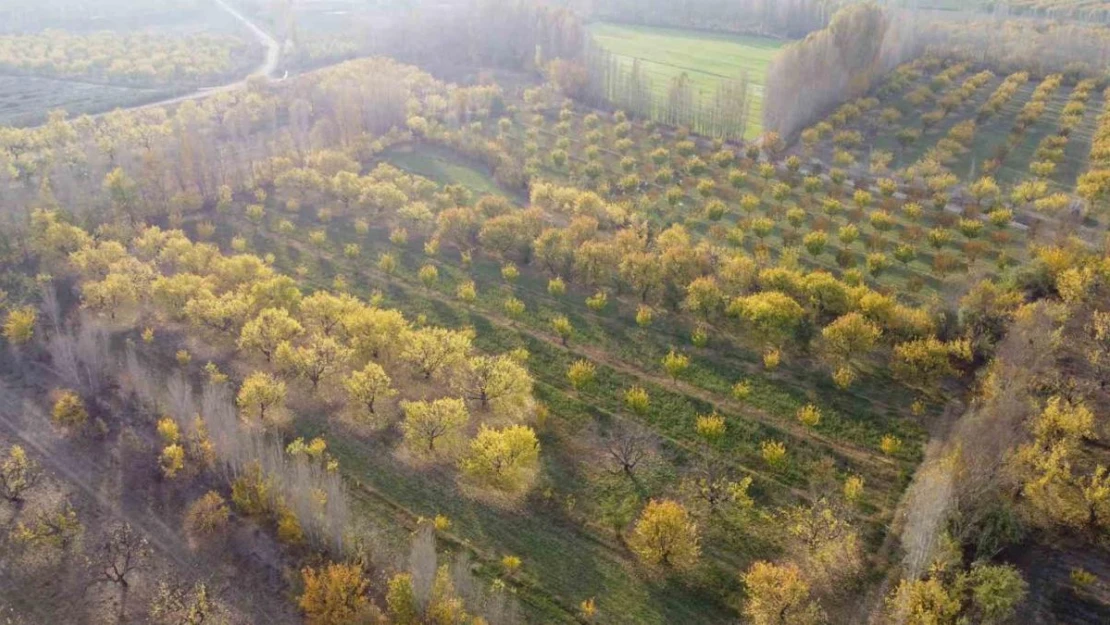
(266, 69)
(273, 48)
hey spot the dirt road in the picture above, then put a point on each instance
(266, 68)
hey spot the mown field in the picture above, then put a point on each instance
(26, 100)
(705, 57)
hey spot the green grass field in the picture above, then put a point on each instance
(707, 58)
(443, 167)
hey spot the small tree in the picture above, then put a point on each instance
(400, 600)
(206, 516)
(890, 445)
(710, 427)
(563, 328)
(261, 398)
(675, 364)
(428, 275)
(69, 410)
(581, 373)
(809, 415)
(172, 460)
(636, 400)
(184, 605)
(367, 386)
(18, 474)
(774, 453)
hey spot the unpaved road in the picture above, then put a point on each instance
(273, 48)
(266, 69)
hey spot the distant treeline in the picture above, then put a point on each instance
(863, 41)
(829, 67)
(508, 34)
(33, 15)
(783, 18)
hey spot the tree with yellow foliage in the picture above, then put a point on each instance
(367, 386)
(261, 398)
(323, 312)
(497, 383)
(318, 357)
(172, 460)
(18, 474)
(336, 594)
(269, 330)
(665, 535)
(985, 594)
(252, 491)
(1059, 487)
(69, 410)
(922, 363)
(112, 295)
(506, 460)
(206, 516)
(778, 594)
(849, 336)
(433, 349)
(773, 315)
(376, 333)
(19, 326)
(675, 364)
(433, 427)
(823, 542)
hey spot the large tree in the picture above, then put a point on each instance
(433, 427)
(665, 535)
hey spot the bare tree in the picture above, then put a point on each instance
(423, 564)
(627, 446)
(124, 552)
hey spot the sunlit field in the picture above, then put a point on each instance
(705, 57)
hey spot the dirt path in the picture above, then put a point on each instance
(273, 48)
(26, 422)
(266, 69)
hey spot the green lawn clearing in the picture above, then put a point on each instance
(706, 57)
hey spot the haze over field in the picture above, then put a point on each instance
(499, 312)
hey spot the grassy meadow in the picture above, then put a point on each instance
(706, 58)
